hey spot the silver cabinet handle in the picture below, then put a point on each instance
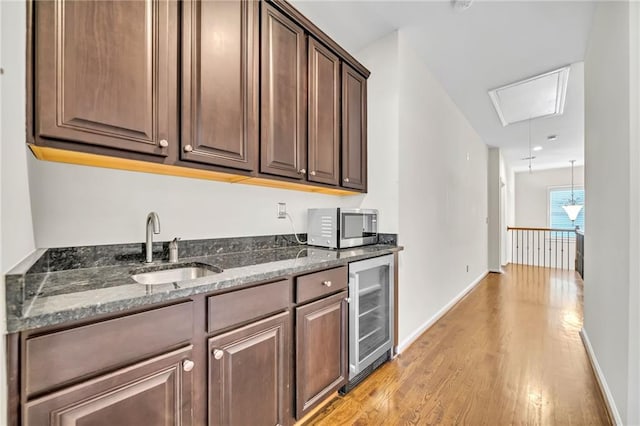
(164, 143)
(346, 180)
(218, 354)
(312, 173)
(188, 148)
(327, 283)
(302, 171)
(188, 365)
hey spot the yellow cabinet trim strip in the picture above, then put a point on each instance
(94, 160)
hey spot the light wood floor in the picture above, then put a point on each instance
(508, 353)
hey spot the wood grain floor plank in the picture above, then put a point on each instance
(509, 353)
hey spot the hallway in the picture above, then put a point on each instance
(508, 353)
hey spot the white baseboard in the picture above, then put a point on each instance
(402, 346)
(602, 382)
(496, 271)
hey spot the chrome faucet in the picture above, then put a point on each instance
(153, 227)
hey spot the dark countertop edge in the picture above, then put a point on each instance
(16, 324)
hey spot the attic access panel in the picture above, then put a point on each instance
(540, 96)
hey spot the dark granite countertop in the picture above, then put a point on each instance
(41, 296)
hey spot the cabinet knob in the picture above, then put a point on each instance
(347, 299)
(302, 171)
(218, 354)
(346, 180)
(188, 365)
(312, 173)
(164, 143)
(188, 148)
(327, 283)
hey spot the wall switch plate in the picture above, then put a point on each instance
(282, 210)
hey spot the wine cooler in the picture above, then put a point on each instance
(370, 315)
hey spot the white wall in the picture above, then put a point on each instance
(494, 237)
(443, 196)
(611, 179)
(79, 205)
(3, 350)
(532, 193)
(16, 234)
(508, 205)
(633, 407)
(381, 57)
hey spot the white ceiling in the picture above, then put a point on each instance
(471, 52)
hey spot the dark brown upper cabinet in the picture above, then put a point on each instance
(220, 82)
(106, 74)
(324, 114)
(354, 129)
(283, 141)
(230, 90)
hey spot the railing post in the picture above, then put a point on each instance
(562, 250)
(528, 232)
(544, 249)
(555, 239)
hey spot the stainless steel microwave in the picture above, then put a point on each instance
(340, 228)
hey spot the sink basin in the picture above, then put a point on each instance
(167, 274)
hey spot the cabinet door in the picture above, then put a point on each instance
(283, 141)
(106, 74)
(155, 392)
(249, 374)
(324, 114)
(321, 351)
(220, 82)
(354, 129)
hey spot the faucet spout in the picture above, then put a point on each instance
(153, 227)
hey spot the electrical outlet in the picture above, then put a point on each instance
(282, 210)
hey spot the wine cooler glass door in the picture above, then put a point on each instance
(370, 319)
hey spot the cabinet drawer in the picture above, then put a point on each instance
(241, 306)
(318, 284)
(61, 357)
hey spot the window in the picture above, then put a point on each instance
(558, 197)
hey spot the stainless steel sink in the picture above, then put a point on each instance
(167, 274)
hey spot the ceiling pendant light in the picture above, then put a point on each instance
(572, 208)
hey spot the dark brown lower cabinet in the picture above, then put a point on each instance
(154, 392)
(321, 350)
(249, 374)
(215, 359)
